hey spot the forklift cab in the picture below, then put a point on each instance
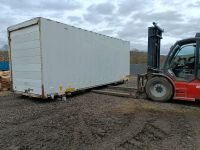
(183, 60)
(183, 67)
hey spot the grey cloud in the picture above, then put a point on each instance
(96, 13)
(114, 20)
(20, 4)
(6, 19)
(172, 2)
(106, 32)
(41, 5)
(89, 17)
(196, 4)
(61, 5)
(128, 6)
(182, 30)
(13, 12)
(167, 16)
(134, 30)
(103, 8)
(75, 19)
(173, 22)
(52, 14)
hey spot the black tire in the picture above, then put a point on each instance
(159, 89)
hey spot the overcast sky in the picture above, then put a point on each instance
(125, 19)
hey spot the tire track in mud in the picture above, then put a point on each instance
(42, 116)
(115, 140)
(182, 133)
(23, 129)
(81, 131)
(144, 138)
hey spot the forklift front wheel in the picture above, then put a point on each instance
(159, 89)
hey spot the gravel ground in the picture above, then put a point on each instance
(94, 121)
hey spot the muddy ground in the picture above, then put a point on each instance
(93, 121)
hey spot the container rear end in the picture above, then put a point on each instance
(25, 51)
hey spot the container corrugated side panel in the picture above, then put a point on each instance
(26, 59)
(80, 59)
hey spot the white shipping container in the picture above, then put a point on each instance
(49, 58)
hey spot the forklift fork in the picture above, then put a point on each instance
(141, 81)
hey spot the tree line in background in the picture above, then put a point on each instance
(140, 57)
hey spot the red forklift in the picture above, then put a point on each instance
(179, 78)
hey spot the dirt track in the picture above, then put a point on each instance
(92, 121)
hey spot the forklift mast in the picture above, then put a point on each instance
(154, 40)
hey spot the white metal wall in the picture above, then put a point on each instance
(26, 59)
(75, 58)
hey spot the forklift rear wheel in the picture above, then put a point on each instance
(159, 89)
